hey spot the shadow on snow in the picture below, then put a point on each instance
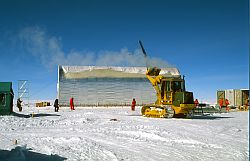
(209, 117)
(23, 154)
(34, 115)
(201, 117)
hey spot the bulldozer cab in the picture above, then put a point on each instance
(169, 87)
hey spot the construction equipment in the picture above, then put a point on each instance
(42, 104)
(172, 98)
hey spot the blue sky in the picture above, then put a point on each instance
(207, 40)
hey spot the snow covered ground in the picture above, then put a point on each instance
(116, 133)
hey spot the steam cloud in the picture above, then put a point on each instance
(50, 52)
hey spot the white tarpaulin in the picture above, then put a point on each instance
(112, 72)
(96, 86)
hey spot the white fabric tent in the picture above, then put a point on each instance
(104, 86)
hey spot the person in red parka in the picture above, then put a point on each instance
(227, 103)
(221, 103)
(196, 102)
(71, 103)
(133, 105)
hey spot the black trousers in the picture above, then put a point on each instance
(56, 108)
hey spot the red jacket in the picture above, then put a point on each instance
(133, 103)
(196, 102)
(221, 102)
(71, 102)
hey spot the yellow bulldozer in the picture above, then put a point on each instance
(172, 98)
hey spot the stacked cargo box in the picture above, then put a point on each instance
(236, 97)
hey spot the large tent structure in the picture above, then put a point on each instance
(106, 86)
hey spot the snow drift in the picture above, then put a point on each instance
(119, 134)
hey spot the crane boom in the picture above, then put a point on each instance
(143, 50)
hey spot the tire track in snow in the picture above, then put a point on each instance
(75, 148)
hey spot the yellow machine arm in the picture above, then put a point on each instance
(172, 98)
(155, 79)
